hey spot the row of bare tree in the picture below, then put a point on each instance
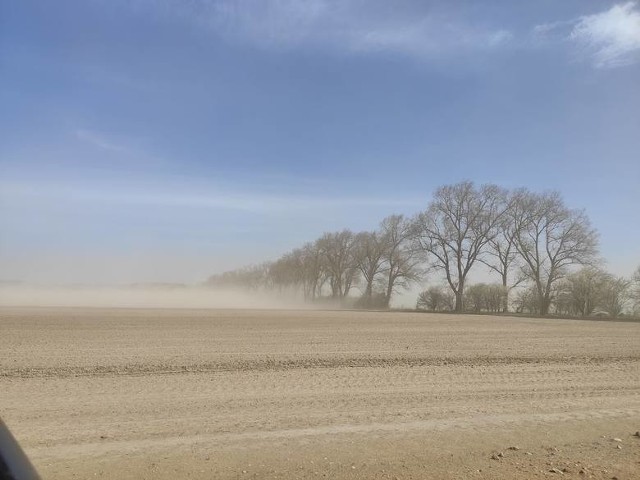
(524, 237)
(378, 263)
(520, 235)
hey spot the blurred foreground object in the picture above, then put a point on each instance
(14, 464)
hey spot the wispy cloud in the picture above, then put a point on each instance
(427, 38)
(174, 196)
(118, 147)
(552, 30)
(607, 39)
(352, 26)
(101, 141)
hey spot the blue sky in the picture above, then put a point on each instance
(165, 140)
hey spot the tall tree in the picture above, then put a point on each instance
(370, 259)
(285, 273)
(635, 292)
(339, 260)
(402, 261)
(550, 238)
(312, 271)
(501, 255)
(459, 222)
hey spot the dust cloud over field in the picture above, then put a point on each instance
(164, 394)
(142, 296)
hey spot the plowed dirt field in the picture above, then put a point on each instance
(216, 394)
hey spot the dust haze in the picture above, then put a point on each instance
(144, 296)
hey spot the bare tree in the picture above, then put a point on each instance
(550, 238)
(286, 272)
(435, 299)
(525, 300)
(337, 251)
(615, 295)
(370, 259)
(475, 297)
(313, 273)
(635, 291)
(483, 297)
(402, 261)
(592, 290)
(299, 270)
(501, 255)
(455, 229)
(582, 292)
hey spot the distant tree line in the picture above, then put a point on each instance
(532, 242)
(376, 263)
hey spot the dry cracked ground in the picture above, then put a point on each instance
(242, 394)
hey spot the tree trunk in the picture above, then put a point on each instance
(544, 303)
(387, 298)
(505, 295)
(368, 293)
(459, 301)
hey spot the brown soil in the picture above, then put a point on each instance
(165, 394)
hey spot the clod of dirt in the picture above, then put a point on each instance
(514, 448)
(619, 447)
(555, 470)
(495, 457)
(637, 434)
(617, 439)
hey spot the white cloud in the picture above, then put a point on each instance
(339, 25)
(612, 38)
(607, 39)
